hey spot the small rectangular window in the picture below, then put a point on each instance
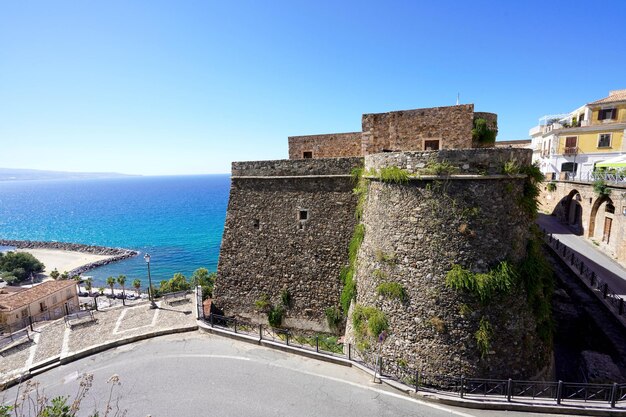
(607, 114)
(256, 224)
(604, 140)
(307, 155)
(303, 215)
(569, 167)
(431, 145)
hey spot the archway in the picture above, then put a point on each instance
(573, 214)
(602, 210)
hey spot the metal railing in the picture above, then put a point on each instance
(595, 282)
(615, 177)
(461, 386)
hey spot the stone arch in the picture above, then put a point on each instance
(574, 211)
(609, 208)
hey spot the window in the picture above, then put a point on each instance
(570, 141)
(431, 145)
(604, 140)
(569, 167)
(256, 224)
(607, 114)
(303, 215)
(307, 155)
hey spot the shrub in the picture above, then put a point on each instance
(511, 167)
(600, 188)
(551, 187)
(285, 298)
(20, 264)
(482, 285)
(483, 336)
(386, 258)
(263, 303)
(369, 321)
(439, 168)
(275, 316)
(393, 175)
(528, 201)
(333, 317)
(392, 290)
(481, 133)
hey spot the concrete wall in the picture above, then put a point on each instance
(266, 248)
(407, 130)
(426, 226)
(333, 145)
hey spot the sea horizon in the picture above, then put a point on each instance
(178, 219)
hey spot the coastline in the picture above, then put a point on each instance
(105, 255)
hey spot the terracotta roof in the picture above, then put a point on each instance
(16, 300)
(614, 96)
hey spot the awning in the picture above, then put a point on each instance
(615, 162)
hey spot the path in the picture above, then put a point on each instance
(605, 267)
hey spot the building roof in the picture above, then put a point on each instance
(17, 300)
(614, 96)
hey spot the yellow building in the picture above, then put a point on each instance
(568, 146)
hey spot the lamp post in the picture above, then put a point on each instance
(150, 295)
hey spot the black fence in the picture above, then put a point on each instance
(508, 389)
(593, 280)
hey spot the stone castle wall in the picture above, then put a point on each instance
(267, 248)
(415, 232)
(333, 145)
(407, 130)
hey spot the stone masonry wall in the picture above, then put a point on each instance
(407, 130)
(334, 145)
(414, 233)
(266, 247)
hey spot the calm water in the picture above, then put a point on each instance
(178, 220)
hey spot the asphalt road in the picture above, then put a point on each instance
(197, 374)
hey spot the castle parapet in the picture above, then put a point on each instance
(296, 167)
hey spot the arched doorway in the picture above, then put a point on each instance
(574, 211)
(601, 219)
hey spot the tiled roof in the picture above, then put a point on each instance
(614, 96)
(17, 300)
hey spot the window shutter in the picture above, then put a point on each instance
(613, 114)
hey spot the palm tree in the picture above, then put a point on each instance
(137, 285)
(89, 284)
(122, 281)
(111, 283)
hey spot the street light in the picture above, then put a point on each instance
(152, 304)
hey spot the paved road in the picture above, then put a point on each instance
(605, 267)
(198, 374)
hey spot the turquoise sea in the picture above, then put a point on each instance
(178, 220)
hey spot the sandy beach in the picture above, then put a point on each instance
(62, 260)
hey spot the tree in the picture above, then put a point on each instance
(20, 264)
(89, 284)
(206, 280)
(177, 283)
(111, 283)
(54, 274)
(65, 275)
(122, 281)
(137, 285)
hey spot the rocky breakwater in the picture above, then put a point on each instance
(113, 254)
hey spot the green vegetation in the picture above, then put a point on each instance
(378, 274)
(55, 274)
(465, 310)
(285, 298)
(368, 323)
(360, 190)
(177, 283)
(482, 134)
(111, 283)
(485, 286)
(439, 168)
(18, 266)
(392, 290)
(348, 293)
(137, 286)
(275, 313)
(386, 258)
(333, 317)
(275, 316)
(263, 304)
(528, 200)
(511, 167)
(206, 281)
(551, 187)
(483, 336)
(393, 175)
(600, 188)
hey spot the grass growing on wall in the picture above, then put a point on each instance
(393, 175)
(528, 201)
(392, 290)
(485, 286)
(368, 323)
(483, 336)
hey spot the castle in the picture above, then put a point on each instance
(297, 236)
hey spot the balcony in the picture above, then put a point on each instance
(570, 150)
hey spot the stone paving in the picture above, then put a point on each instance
(54, 340)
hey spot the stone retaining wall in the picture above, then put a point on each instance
(299, 167)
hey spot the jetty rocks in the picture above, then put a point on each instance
(114, 254)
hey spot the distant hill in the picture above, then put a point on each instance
(11, 174)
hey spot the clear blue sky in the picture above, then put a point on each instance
(186, 87)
